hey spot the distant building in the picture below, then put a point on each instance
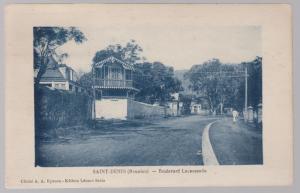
(175, 96)
(195, 108)
(60, 76)
(175, 106)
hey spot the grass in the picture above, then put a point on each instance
(93, 127)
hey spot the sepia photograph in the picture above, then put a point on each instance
(140, 97)
(148, 95)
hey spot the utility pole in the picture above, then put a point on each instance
(94, 95)
(246, 91)
(229, 74)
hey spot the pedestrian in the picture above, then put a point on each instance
(235, 115)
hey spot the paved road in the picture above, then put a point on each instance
(236, 143)
(174, 141)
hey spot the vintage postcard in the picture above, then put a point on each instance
(148, 95)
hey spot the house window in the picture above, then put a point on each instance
(116, 73)
(56, 85)
(99, 73)
(128, 75)
(105, 72)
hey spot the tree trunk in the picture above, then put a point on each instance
(221, 108)
(42, 71)
(211, 105)
(38, 78)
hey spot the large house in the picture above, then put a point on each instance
(60, 76)
(114, 89)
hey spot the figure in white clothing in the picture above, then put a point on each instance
(235, 115)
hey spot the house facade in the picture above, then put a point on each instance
(175, 106)
(195, 108)
(60, 76)
(113, 89)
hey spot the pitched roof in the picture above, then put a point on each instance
(52, 74)
(113, 59)
(64, 65)
(52, 63)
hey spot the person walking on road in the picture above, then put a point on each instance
(235, 115)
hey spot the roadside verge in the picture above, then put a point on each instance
(208, 155)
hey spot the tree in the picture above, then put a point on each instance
(214, 81)
(255, 81)
(130, 53)
(224, 84)
(156, 82)
(254, 91)
(86, 80)
(45, 42)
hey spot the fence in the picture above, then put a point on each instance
(113, 83)
(253, 116)
(58, 108)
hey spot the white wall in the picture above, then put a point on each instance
(66, 87)
(111, 108)
(172, 108)
(143, 110)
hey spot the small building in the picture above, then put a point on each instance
(114, 89)
(196, 108)
(60, 76)
(175, 106)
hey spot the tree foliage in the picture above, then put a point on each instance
(224, 84)
(86, 80)
(130, 53)
(156, 82)
(45, 42)
(255, 81)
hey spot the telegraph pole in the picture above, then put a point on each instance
(228, 74)
(94, 95)
(246, 95)
(246, 88)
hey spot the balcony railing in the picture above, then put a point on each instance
(106, 83)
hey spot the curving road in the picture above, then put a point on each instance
(175, 141)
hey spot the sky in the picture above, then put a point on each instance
(174, 46)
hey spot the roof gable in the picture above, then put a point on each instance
(52, 63)
(52, 74)
(113, 59)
